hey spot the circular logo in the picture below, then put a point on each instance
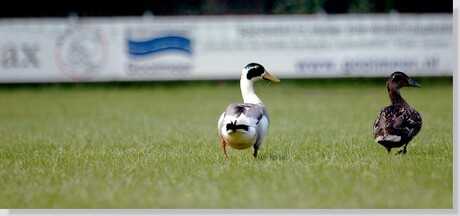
(81, 52)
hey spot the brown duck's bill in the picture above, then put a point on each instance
(268, 76)
(413, 83)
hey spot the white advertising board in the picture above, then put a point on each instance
(218, 47)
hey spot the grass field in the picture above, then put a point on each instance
(156, 146)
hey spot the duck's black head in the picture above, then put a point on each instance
(255, 71)
(399, 79)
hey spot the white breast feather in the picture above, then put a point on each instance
(389, 138)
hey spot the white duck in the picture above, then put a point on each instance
(243, 125)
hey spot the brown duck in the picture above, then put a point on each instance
(397, 124)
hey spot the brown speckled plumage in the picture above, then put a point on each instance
(397, 124)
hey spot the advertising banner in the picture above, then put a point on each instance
(218, 47)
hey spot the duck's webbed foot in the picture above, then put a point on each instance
(402, 151)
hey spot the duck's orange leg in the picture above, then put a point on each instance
(224, 146)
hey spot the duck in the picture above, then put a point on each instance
(243, 125)
(397, 124)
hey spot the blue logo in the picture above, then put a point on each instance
(159, 45)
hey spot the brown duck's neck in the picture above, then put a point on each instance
(395, 97)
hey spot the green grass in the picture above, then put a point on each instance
(156, 145)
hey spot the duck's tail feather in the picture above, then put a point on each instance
(233, 126)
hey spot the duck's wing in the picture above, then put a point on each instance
(262, 128)
(250, 111)
(220, 123)
(380, 123)
(412, 121)
(396, 122)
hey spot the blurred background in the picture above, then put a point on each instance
(69, 41)
(88, 8)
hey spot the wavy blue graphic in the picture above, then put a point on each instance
(159, 44)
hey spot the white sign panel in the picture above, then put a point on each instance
(217, 47)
